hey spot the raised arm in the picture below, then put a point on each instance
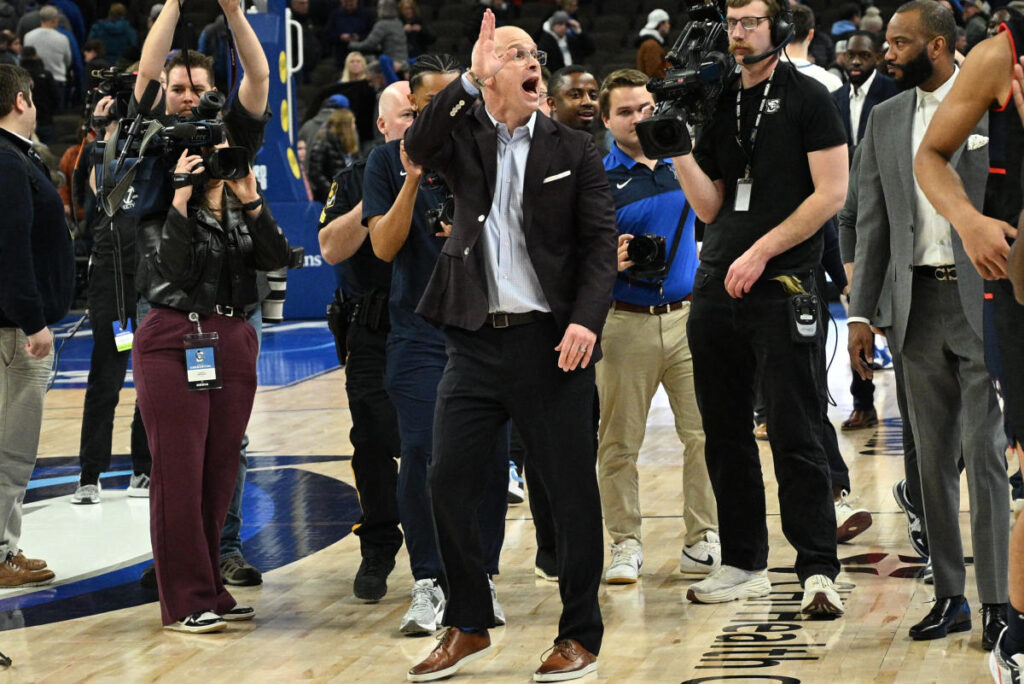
(255, 86)
(156, 47)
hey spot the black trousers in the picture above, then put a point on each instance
(540, 507)
(731, 341)
(106, 377)
(863, 393)
(493, 375)
(838, 470)
(375, 445)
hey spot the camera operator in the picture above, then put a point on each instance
(199, 275)
(644, 338)
(767, 172)
(188, 76)
(366, 282)
(398, 195)
(110, 298)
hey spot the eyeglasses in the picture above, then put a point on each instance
(523, 55)
(748, 23)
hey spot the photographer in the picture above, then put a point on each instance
(767, 172)
(199, 275)
(645, 341)
(397, 198)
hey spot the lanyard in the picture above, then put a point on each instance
(757, 121)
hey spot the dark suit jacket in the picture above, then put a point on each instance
(580, 47)
(882, 88)
(568, 214)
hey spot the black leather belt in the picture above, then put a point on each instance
(947, 272)
(652, 310)
(509, 320)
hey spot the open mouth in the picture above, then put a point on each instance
(587, 114)
(531, 85)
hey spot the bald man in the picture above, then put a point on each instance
(364, 280)
(521, 290)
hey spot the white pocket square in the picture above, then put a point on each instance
(976, 142)
(557, 176)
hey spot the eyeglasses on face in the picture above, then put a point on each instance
(748, 23)
(522, 55)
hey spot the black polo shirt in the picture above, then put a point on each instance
(799, 117)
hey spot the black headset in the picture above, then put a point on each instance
(782, 26)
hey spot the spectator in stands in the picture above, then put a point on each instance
(8, 16)
(797, 50)
(347, 23)
(115, 32)
(387, 37)
(52, 47)
(563, 40)
(355, 68)
(311, 50)
(309, 130)
(73, 16)
(94, 54)
(975, 22)
(417, 36)
(872, 21)
(213, 41)
(848, 22)
(650, 44)
(10, 46)
(334, 149)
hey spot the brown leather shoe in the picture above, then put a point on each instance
(761, 431)
(568, 660)
(28, 563)
(859, 420)
(12, 575)
(455, 648)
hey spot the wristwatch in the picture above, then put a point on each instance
(475, 79)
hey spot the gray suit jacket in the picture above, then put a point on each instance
(887, 214)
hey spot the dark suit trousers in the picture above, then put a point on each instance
(731, 341)
(493, 375)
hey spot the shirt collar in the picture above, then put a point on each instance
(862, 90)
(530, 123)
(20, 140)
(620, 158)
(939, 93)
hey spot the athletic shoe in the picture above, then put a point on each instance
(371, 582)
(87, 494)
(702, 558)
(627, 557)
(545, 574)
(1005, 669)
(138, 486)
(199, 623)
(239, 614)
(499, 614)
(821, 597)
(915, 524)
(235, 571)
(729, 584)
(424, 614)
(516, 495)
(850, 521)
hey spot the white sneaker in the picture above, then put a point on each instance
(1005, 670)
(199, 623)
(138, 486)
(87, 494)
(499, 614)
(702, 558)
(424, 614)
(850, 521)
(821, 597)
(516, 494)
(627, 557)
(729, 584)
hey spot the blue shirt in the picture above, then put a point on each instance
(414, 263)
(651, 201)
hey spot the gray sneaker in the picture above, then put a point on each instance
(138, 486)
(87, 494)
(424, 614)
(236, 572)
(499, 614)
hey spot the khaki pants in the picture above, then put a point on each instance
(22, 389)
(642, 351)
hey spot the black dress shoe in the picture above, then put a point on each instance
(951, 614)
(993, 622)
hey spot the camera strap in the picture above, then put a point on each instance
(113, 194)
(757, 122)
(633, 280)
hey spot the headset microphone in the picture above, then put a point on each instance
(754, 59)
(782, 34)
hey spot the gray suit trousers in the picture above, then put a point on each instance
(953, 406)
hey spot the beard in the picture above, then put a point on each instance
(915, 72)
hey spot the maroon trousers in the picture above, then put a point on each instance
(194, 438)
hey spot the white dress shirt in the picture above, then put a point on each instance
(932, 244)
(857, 96)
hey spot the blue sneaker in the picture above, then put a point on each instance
(516, 495)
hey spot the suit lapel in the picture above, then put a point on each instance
(542, 150)
(904, 119)
(487, 143)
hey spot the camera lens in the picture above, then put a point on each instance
(642, 250)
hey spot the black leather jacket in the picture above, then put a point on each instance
(181, 261)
